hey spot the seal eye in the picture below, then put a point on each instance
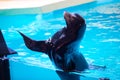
(74, 15)
(77, 15)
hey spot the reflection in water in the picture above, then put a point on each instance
(67, 76)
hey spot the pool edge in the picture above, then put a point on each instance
(43, 8)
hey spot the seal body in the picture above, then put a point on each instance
(69, 57)
(63, 47)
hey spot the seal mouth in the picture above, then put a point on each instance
(69, 16)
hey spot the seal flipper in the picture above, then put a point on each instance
(39, 46)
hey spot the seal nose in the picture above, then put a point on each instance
(66, 13)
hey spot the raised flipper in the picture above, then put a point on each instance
(40, 46)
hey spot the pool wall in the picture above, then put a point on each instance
(13, 7)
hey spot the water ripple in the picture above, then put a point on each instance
(111, 40)
(107, 9)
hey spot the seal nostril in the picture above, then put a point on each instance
(64, 12)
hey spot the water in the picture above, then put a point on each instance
(101, 43)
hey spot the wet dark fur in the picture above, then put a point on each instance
(60, 45)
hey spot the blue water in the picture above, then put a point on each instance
(101, 43)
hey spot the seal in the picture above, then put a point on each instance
(62, 47)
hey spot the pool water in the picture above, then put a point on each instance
(101, 42)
